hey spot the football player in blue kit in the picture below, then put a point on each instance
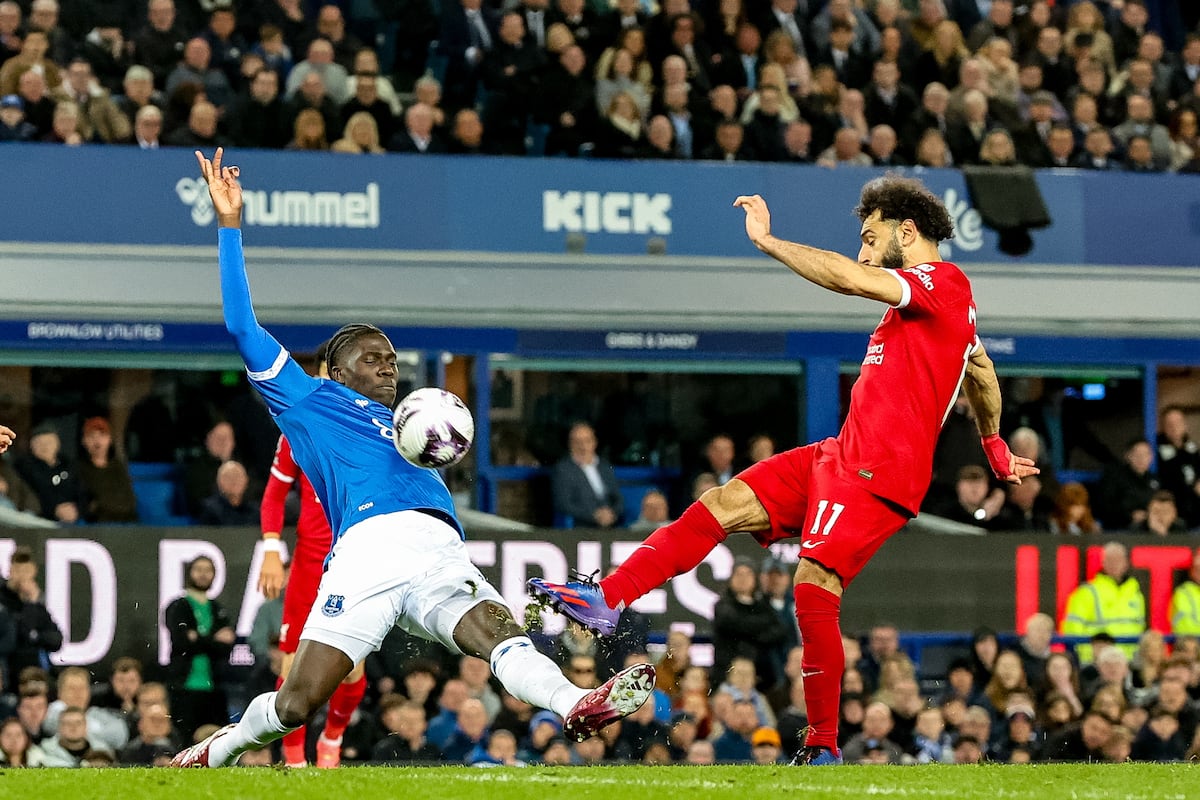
(398, 556)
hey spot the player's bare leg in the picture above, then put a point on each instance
(315, 674)
(488, 631)
(669, 551)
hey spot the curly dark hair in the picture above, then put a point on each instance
(897, 198)
(346, 336)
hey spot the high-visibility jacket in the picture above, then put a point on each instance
(1185, 610)
(1103, 605)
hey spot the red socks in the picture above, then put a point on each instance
(824, 661)
(669, 551)
(345, 699)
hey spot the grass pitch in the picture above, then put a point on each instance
(988, 782)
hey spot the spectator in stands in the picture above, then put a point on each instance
(13, 127)
(1081, 741)
(231, 503)
(404, 722)
(200, 133)
(64, 125)
(32, 704)
(418, 135)
(106, 728)
(932, 150)
(1098, 146)
(1185, 603)
(105, 478)
(1026, 509)
(47, 473)
(160, 43)
(366, 99)
(1139, 121)
(975, 502)
(1060, 145)
(120, 694)
(200, 472)
(852, 67)
(568, 103)
(471, 731)
(467, 135)
(155, 742)
(1008, 679)
(941, 63)
(195, 67)
(1086, 36)
(1162, 516)
(273, 50)
(660, 138)
(1179, 463)
(32, 58)
(744, 623)
(361, 135)
(584, 485)
(733, 745)
(256, 115)
(100, 120)
(139, 92)
(16, 748)
(1111, 602)
(226, 42)
(1128, 486)
(147, 128)
(654, 512)
(68, 748)
(334, 77)
(468, 33)
(1060, 683)
(584, 23)
(1072, 513)
(10, 30)
(887, 100)
(997, 149)
(619, 76)
(1139, 155)
(877, 724)
(202, 637)
(331, 26)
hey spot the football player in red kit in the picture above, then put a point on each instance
(843, 496)
(313, 541)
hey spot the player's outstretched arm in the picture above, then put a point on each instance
(825, 268)
(258, 348)
(983, 392)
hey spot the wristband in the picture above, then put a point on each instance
(998, 455)
(272, 545)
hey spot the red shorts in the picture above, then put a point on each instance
(302, 585)
(840, 524)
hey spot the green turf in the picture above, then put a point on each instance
(993, 782)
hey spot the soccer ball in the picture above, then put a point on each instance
(433, 428)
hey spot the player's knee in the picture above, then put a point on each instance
(735, 506)
(294, 707)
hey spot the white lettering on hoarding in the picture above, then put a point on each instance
(633, 340)
(968, 225)
(606, 212)
(61, 554)
(289, 208)
(95, 331)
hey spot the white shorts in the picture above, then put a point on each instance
(405, 568)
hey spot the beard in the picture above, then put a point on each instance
(893, 256)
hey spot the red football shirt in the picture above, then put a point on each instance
(313, 536)
(915, 363)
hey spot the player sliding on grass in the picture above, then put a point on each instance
(842, 496)
(398, 556)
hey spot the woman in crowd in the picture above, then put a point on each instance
(1073, 512)
(941, 63)
(634, 41)
(618, 78)
(16, 748)
(308, 131)
(360, 136)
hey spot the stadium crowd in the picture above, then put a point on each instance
(935, 83)
(1012, 702)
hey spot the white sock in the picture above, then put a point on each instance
(530, 676)
(259, 725)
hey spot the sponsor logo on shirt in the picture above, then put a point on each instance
(874, 354)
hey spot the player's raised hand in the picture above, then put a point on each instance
(6, 438)
(758, 216)
(223, 187)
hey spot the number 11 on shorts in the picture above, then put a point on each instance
(835, 508)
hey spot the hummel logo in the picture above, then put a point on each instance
(362, 403)
(811, 545)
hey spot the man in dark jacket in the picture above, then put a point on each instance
(36, 634)
(744, 624)
(201, 638)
